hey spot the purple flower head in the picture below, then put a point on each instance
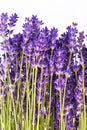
(3, 25)
(79, 102)
(35, 22)
(59, 84)
(31, 29)
(4, 18)
(27, 29)
(53, 37)
(53, 33)
(46, 32)
(81, 38)
(72, 32)
(36, 25)
(84, 55)
(69, 122)
(61, 56)
(14, 46)
(3, 29)
(12, 20)
(63, 40)
(69, 97)
(78, 94)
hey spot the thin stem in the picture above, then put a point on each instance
(50, 99)
(38, 117)
(83, 87)
(36, 71)
(27, 94)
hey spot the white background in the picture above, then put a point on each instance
(58, 13)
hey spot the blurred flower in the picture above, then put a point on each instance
(3, 25)
(12, 20)
(72, 33)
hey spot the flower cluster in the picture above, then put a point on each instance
(42, 77)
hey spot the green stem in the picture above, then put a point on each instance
(83, 85)
(50, 99)
(27, 94)
(36, 71)
(60, 105)
(38, 117)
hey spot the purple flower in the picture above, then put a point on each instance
(3, 25)
(12, 20)
(69, 122)
(63, 40)
(4, 18)
(84, 56)
(81, 39)
(53, 38)
(79, 96)
(35, 23)
(72, 33)
(31, 28)
(61, 57)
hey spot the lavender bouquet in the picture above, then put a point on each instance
(43, 77)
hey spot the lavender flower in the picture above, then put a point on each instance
(61, 56)
(53, 38)
(4, 29)
(3, 25)
(81, 39)
(84, 56)
(72, 32)
(12, 20)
